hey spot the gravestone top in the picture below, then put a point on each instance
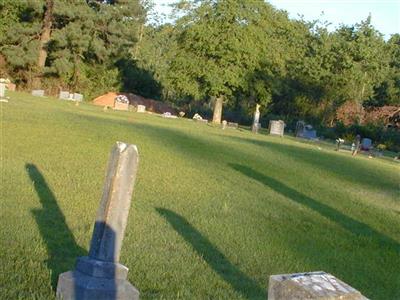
(313, 285)
(39, 93)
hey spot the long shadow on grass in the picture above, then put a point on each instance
(343, 167)
(356, 227)
(214, 257)
(61, 245)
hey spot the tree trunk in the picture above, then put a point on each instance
(218, 110)
(44, 39)
(137, 46)
(256, 119)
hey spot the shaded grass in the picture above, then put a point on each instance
(233, 208)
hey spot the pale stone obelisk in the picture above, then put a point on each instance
(100, 275)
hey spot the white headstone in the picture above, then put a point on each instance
(141, 108)
(39, 93)
(64, 95)
(78, 97)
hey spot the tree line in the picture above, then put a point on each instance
(219, 56)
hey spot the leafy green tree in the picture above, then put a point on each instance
(388, 92)
(20, 27)
(218, 43)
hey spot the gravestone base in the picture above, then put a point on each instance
(95, 279)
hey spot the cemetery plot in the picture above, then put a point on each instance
(215, 213)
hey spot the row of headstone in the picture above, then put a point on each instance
(65, 95)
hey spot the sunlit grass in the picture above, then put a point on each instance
(214, 212)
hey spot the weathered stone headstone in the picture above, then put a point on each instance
(100, 275)
(313, 285)
(299, 128)
(276, 127)
(232, 125)
(64, 95)
(121, 106)
(141, 108)
(39, 93)
(2, 90)
(78, 97)
(224, 122)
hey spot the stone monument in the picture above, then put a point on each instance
(100, 275)
(314, 285)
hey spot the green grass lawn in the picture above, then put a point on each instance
(214, 212)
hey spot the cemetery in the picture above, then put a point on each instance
(214, 213)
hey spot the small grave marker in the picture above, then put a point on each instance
(224, 122)
(314, 285)
(78, 97)
(64, 95)
(141, 108)
(232, 125)
(100, 275)
(38, 93)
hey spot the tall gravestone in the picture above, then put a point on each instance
(100, 275)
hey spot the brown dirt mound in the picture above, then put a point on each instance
(135, 100)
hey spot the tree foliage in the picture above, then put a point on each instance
(231, 52)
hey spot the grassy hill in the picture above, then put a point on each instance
(214, 212)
